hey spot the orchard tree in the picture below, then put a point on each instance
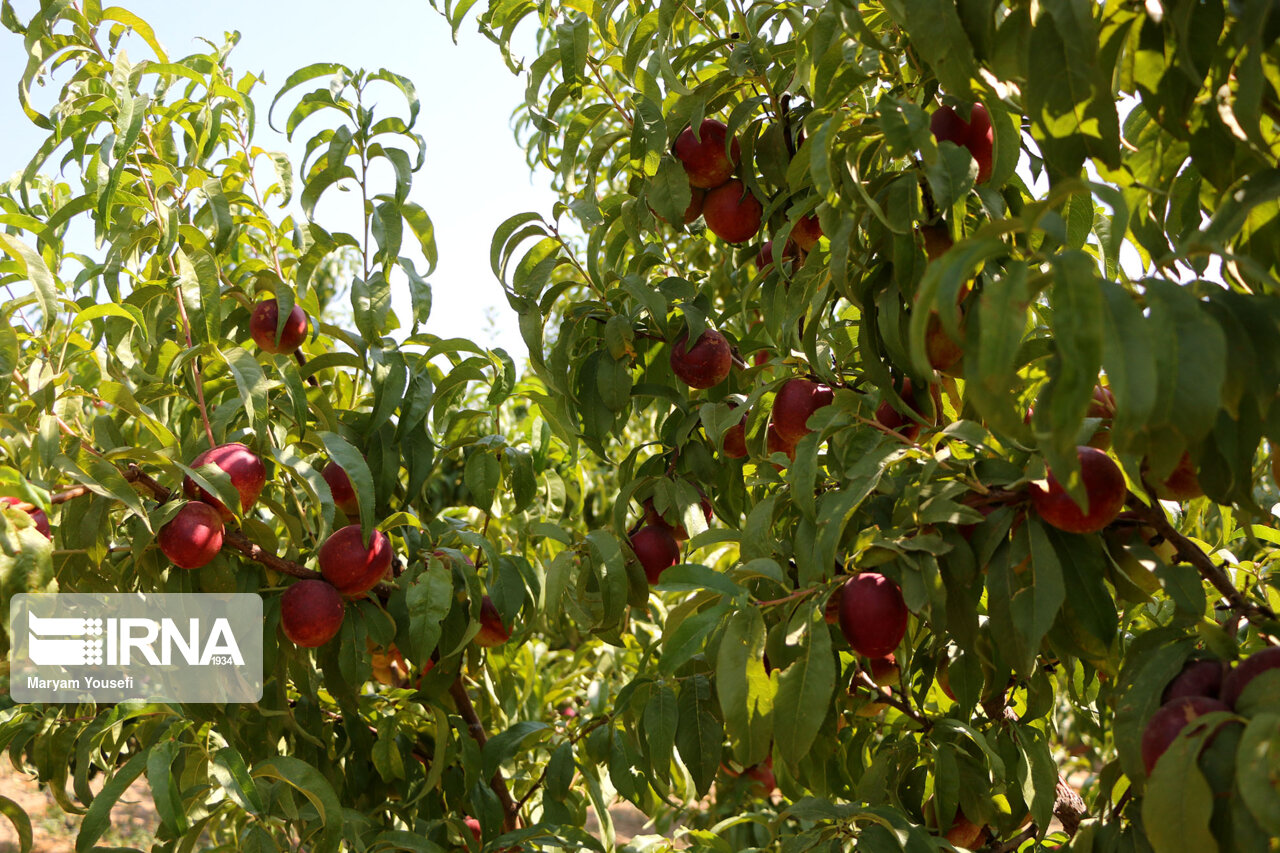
(188, 406)
(972, 439)
(864, 490)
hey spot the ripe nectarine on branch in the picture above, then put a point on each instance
(264, 320)
(704, 157)
(311, 612)
(1104, 487)
(704, 365)
(244, 467)
(193, 537)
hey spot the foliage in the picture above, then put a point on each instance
(1032, 655)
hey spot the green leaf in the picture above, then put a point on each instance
(1178, 801)
(613, 382)
(692, 576)
(399, 839)
(669, 193)
(229, 771)
(502, 747)
(428, 597)
(699, 733)
(250, 380)
(952, 175)
(1258, 770)
(661, 715)
(352, 461)
(482, 475)
(97, 819)
(21, 823)
(1128, 355)
(745, 691)
(371, 305)
(33, 267)
(164, 787)
(1068, 90)
(805, 689)
(936, 32)
(1035, 605)
(992, 350)
(306, 780)
(220, 210)
(302, 75)
(420, 224)
(687, 639)
(1077, 328)
(1192, 363)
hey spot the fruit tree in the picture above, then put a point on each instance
(889, 472)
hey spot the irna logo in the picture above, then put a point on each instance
(87, 642)
(119, 647)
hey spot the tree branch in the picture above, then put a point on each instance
(511, 812)
(886, 695)
(1017, 841)
(1189, 552)
(1068, 807)
(237, 541)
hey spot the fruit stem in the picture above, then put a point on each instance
(510, 811)
(887, 695)
(302, 360)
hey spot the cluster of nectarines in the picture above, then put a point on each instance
(725, 203)
(1204, 685)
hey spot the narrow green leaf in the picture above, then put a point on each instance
(661, 715)
(805, 689)
(699, 734)
(745, 692)
(97, 819)
(21, 823)
(306, 780)
(1258, 770)
(1178, 802)
(250, 380)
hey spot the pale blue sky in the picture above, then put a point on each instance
(475, 175)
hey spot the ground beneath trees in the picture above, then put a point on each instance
(134, 820)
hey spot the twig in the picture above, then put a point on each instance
(182, 308)
(1189, 552)
(498, 783)
(302, 360)
(887, 696)
(1017, 841)
(792, 597)
(237, 541)
(573, 739)
(604, 87)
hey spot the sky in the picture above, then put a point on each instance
(475, 174)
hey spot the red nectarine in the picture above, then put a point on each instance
(244, 467)
(1104, 487)
(704, 158)
(350, 566)
(311, 612)
(263, 322)
(193, 537)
